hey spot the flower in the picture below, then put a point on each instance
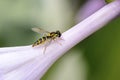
(28, 63)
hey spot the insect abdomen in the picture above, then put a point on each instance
(39, 41)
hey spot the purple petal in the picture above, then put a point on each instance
(89, 8)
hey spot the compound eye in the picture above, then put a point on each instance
(60, 35)
(58, 32)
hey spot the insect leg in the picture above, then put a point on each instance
(46, 45)
(56, 40)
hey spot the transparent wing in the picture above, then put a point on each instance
(41, 31)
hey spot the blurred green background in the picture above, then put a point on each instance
(95, 58)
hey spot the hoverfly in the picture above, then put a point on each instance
(46, 37)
